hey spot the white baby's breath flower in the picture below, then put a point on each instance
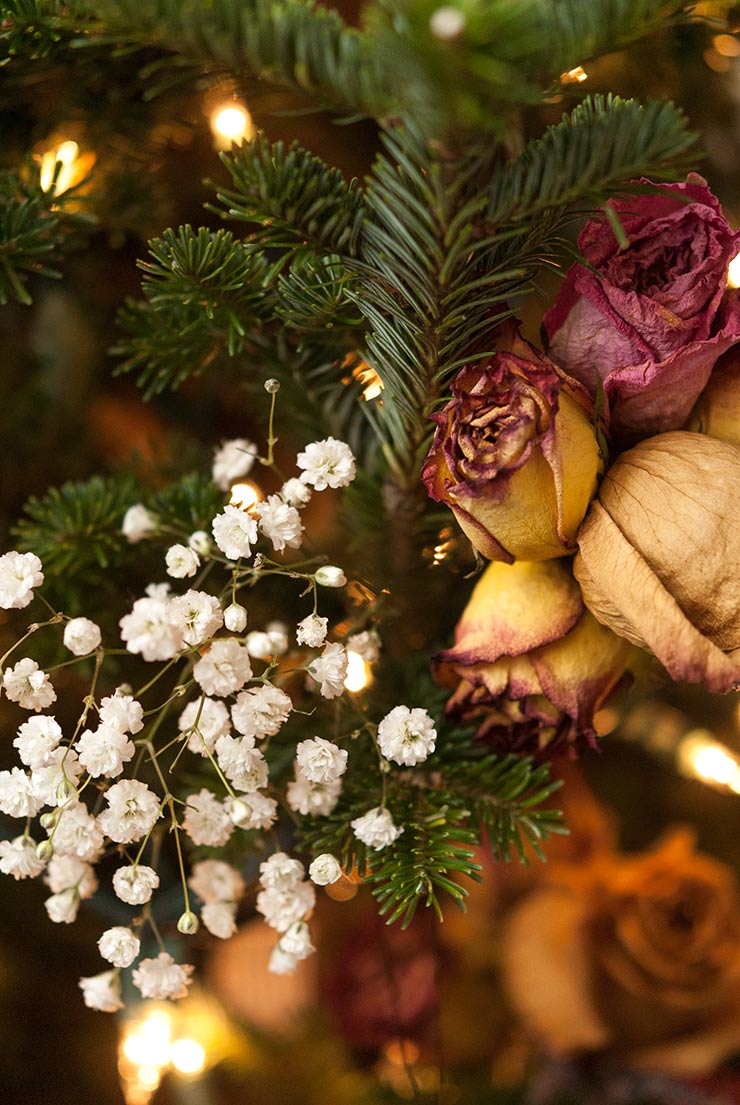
(312, 631)
(312, 799)
(321, 761)
(182, 561)
(200, 542)
(28, 686)
(253, 811)
(138, 523)
(330, 670)
(220, 918)
(224, 669)
(36, 739)
(281, 524)
(243, 765)
(76, 833)
(234, 531)
(281, 871)
(18, 796)
(215, 881)
(63, 908)
(376, 828)
(18, 858)
(280, 962)
(69, 872)
(204, 720)
(119, 945)
(102, 992)
(235, 617)
(328, 575)
(281, 908)
(278, 636)
(132, 810)
(56, 779)
(366, 645)
(269, 643)
(122, 711)
(407, 736)
(149, 630)
(327, 463)
(261, 711)
(296, 941)
(104, 751)
(196, 615)
(325, 870)
(206, 819)
(232, 461)
(295, 493)
(134, 884)
(19, 574)
(81, 636)
(162, 979)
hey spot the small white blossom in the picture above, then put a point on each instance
(55, 780)
(132, 810)
(200, 542)
(102, 992)
(19, 574)
(76, 833)
(281, 963)
(261, 711)
(243, 765)
(182, 561)
(224, 669)
(366, 645)
(215, 881)
(325, 870)
(119, 946)
(376, 828)
(234, 531)
(63, 908)
(28, 686)
(149, 630)
(281, 524)
(321, 761)
(235, 617)
(81, 636)
(36, 739)
(281, 871)
(297, 941)
(18, 796)
(253, 811)
(138, 523)
(220, 918)
(312, 631)
(281, 908)
(328, 575)
(71, 873)
(204, 720)
(18, 858)
(407, 736)
(330, 670)
(295, 493)
(123, 712)
(447, 23)
(327, 463)
(313, 799)
(134, 884)
(206, 819)
(267, 644)
(232, 461)
(278, 636)
(104, 751)
(162, 978)
(196, 615)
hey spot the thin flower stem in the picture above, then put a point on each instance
(157, 677)
(183, 876)
(145, 841)
(33, 628)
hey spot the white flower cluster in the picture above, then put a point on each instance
(285, 901)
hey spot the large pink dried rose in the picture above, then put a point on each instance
(651, 319)
(659, 555)
(515, 455)
(529, 663)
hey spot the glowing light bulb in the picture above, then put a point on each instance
(574, 76)
(245, 495)
(704, 758)
(358, 672)
(187, 1056)
(733, 272)
(231, 123)
(147, 1044)
(73, 167)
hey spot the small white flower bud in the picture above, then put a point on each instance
(47, 820)
(64, 790)
(272, 386)
(330, 576)
(200, 542)
(325, 870)
(45, 850)
(239, 811)
(235, 617)
(188, 924)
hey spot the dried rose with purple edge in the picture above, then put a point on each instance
(649, 319)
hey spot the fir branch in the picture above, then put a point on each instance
(32, 29)
(188, 505)
(599, 146)
(318, 294)
(292, 197)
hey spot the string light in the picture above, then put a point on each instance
(733, 272)
(359, 672)
(245, 495)
(188, 1056)
(574, 76)
(74, 166)
(231, 122)
(726, 45)
(703, 757)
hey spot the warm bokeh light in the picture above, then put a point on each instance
(733, 272)
(187, 1056)
(574, 76)
(359, 673)
(74, 166)
(147, 1042)
(245, 495)
(727, 45)
(231, 122)
(702, 757)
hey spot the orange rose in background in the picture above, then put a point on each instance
(659, 555)
(515, 455)
(635, 955)
(530, 663)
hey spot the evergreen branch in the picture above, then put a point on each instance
(318, 294)
(288, 44)
(32, 29)
(188, 505)
(292, 197)
(603, 143)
